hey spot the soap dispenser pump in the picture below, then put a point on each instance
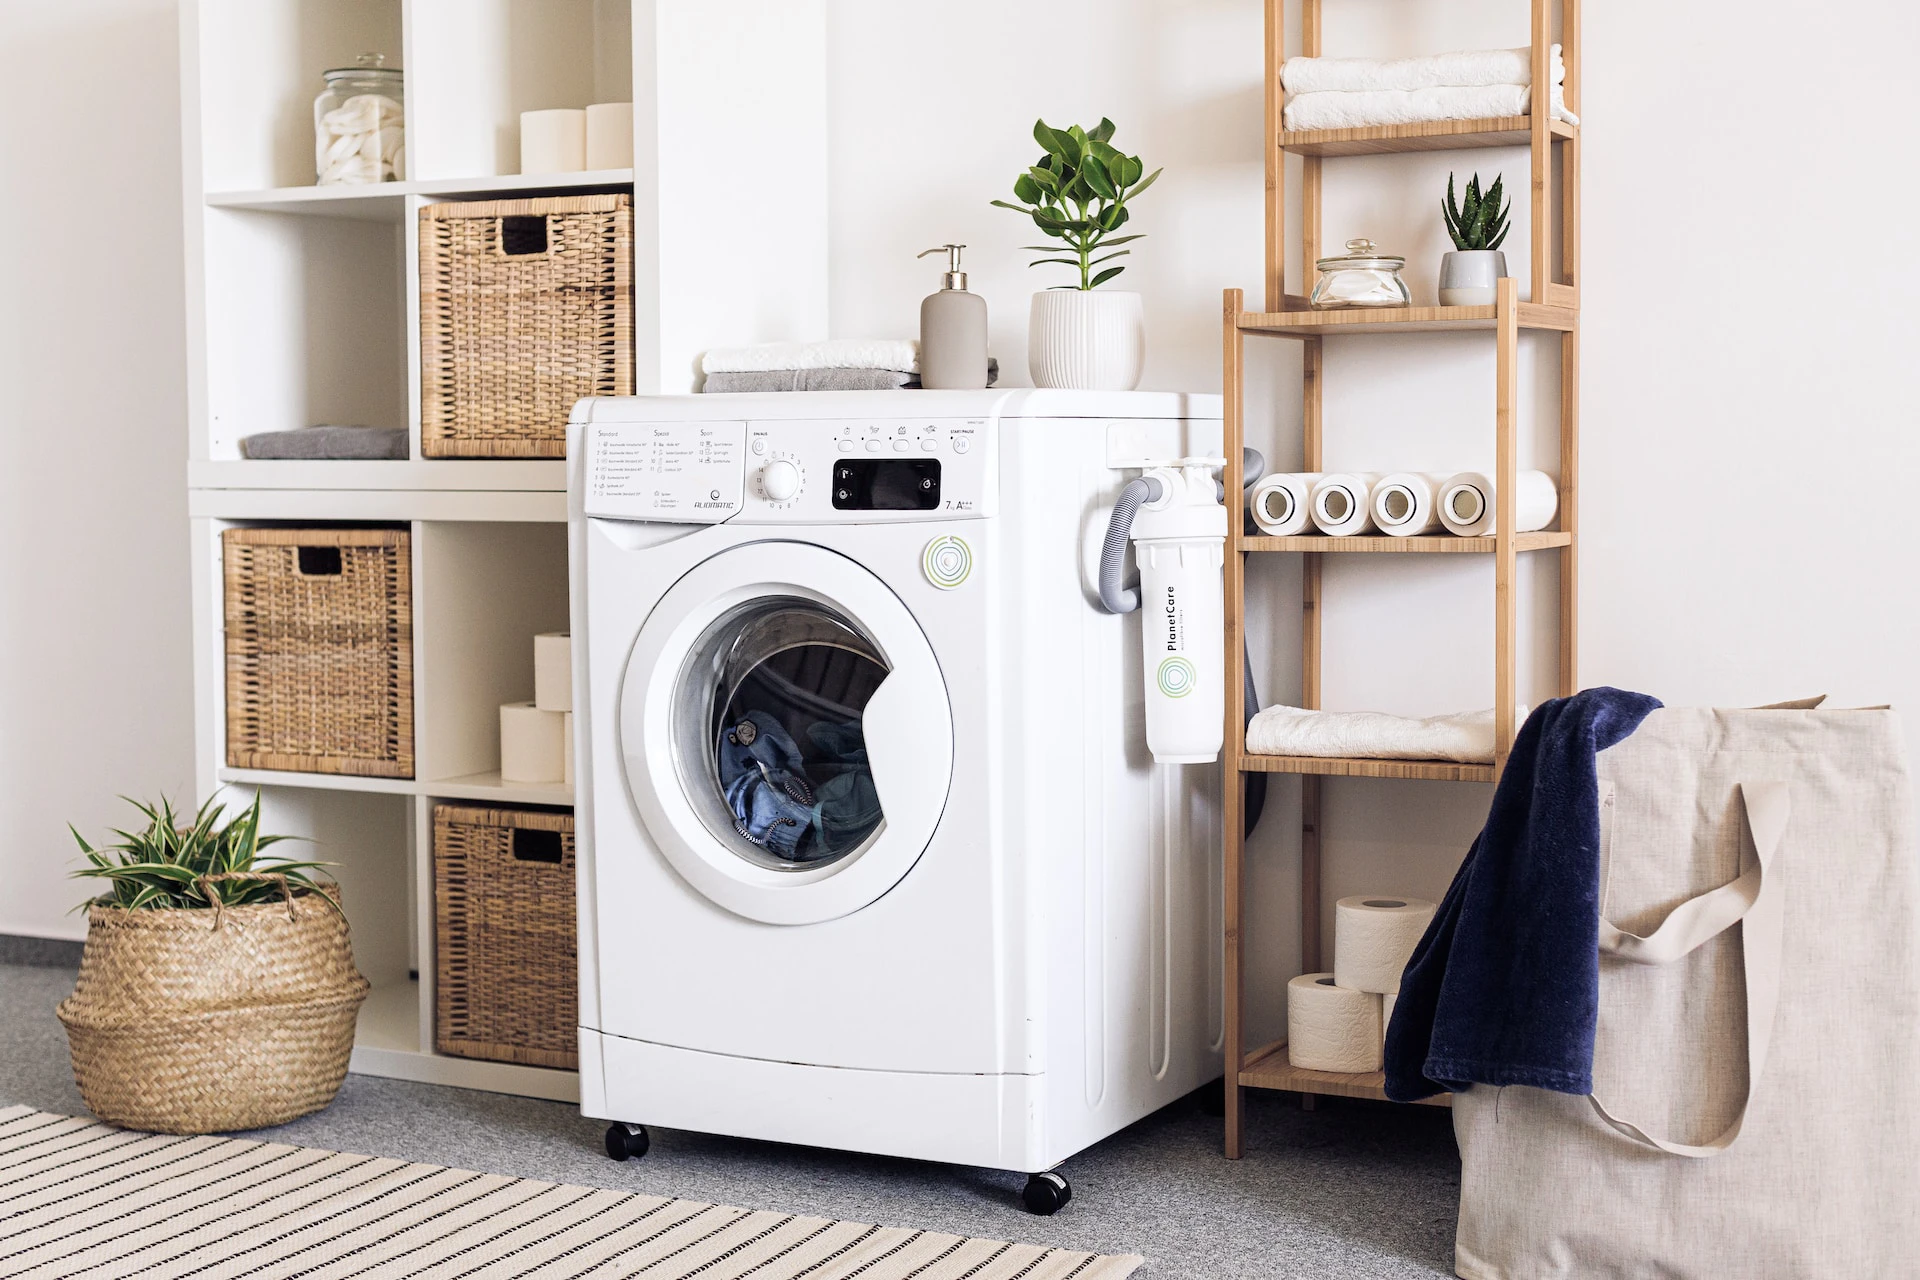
(953, 331)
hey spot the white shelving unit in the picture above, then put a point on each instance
(302, 305)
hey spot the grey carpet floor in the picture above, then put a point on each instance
(1350, 1191)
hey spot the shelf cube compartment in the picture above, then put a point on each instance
(257, 66)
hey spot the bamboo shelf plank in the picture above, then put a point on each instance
(1307, 324)
(1432, 135)
(1424, 544)
(1365, 767)
(1271, 1068)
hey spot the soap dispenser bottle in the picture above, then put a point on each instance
(953, 331)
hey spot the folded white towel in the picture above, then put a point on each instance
(1315, 111)
(1464, 69)
(900, 354)
(1465, 737)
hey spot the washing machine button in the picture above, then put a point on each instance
(846, 445)
(760, 444)
(929, 445)
(873, 446)
(961, 444)
(901, 444)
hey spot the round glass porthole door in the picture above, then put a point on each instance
(767, 734)
(787, 733)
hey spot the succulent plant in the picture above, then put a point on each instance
(1077, 192)
(172, 863)
(1481, 222)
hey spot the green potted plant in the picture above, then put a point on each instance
(1079, 335)
(217, 990)
(1469, 276)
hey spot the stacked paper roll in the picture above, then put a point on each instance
(553, 671)
(553, 141)
(610, 135)
(1330, 1027)
(1406, 503)
(566, 747)
(532, 744)
(1374, 937)
(1282, 505)
(1386, 1015)
(1341, 503)
(1468, 503)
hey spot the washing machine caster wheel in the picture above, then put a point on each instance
(1046, 1193)
(627, 1141)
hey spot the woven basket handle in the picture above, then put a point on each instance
(205, 883)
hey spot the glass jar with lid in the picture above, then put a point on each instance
(359, 124)
(1361, 277)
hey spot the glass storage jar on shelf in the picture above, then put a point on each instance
(359, 124)
(1362, 277)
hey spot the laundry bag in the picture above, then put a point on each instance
(1756, 1071)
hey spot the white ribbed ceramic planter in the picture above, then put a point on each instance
(1087, 339)
(1471, 277)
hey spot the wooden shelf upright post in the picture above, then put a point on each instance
(1553, 307)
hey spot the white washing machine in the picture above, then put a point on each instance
(872, 853)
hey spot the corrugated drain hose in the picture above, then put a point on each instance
(1120, 598)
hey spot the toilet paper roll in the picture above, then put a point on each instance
(1386, 1016)
(553, 141)
(1282, 505)
(1406, 503)
(553, 671)
(1373, 937)
(1468, 505)
(1340, 503)
(610, 135)
(1330, 1027)
(566, 748)
(532, 743)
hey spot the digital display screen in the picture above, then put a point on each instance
(886, 484)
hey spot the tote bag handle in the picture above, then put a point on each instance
(1752, 900)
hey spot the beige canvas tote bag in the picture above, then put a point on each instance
(1756, 1073)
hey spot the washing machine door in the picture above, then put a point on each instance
(786, 732)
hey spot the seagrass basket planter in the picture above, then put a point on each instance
(213, 1019)
(526, 306)
(508, 963)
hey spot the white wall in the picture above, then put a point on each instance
(94, 630)
(1749, 269)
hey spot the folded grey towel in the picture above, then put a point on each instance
(811, 380)
(824, 380)
(329, 442)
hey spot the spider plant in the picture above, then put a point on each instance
(168, 863)
(1481, 222)
(1077, 192)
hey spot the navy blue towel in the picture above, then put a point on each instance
(1505, 986)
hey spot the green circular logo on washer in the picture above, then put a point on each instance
(947, 562)
(1176, 677)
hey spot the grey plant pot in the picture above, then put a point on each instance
(1469, 277)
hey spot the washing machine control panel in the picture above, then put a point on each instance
(838, 471)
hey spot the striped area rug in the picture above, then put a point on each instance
(81, 1199)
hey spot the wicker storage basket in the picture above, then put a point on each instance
(202, 1021)
(320, 650)
(508, 969)
(525, 307)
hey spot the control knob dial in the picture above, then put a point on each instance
(779, 480)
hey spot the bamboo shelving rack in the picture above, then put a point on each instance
(1554, 271)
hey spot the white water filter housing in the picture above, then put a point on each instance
(1179, 541)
